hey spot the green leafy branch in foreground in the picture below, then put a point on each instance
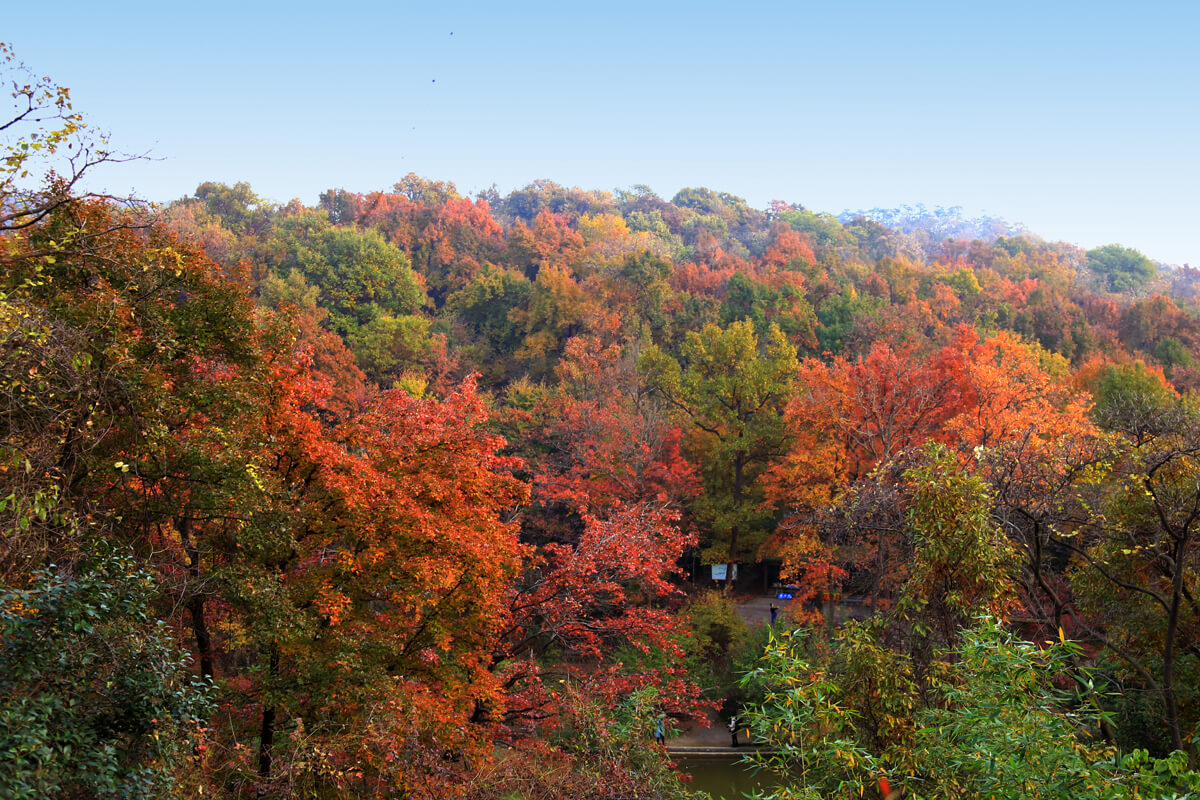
(989, 723)
(95, 696)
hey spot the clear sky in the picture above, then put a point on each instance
(1079, 119)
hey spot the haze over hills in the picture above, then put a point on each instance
(1075, 119)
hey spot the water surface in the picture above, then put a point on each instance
(727, 778)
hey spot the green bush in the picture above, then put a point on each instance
(987, 721)
(718, 640)
(95, 697)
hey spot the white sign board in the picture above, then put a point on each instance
(719, 570)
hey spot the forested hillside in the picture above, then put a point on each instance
(414, 494)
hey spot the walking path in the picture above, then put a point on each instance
(713, 739)
(710, 739)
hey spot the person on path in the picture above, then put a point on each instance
(733, 730)
(660, 734)
(774, 612)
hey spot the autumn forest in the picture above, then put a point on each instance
(413, 494)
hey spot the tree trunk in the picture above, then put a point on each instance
(1036, 563)
(1170, 704)
(266, 735)
(830, 617)
(732, 565)
(203, 640)
(738, 467)
(195, 604)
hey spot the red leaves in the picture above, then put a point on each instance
(376, 567)
(606, 531)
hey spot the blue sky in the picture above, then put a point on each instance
(1079, 119)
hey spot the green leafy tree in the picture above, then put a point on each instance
(484, 307)
(1001, 729)
(1123, 269)
(238, 207)
(963, 561)
(717, 636)
(839, 315)
(553, 315)
(388, 346)
(644, 279)
(1135, 401)
(1137, 551)
(814, 745)
(360, 276)
(96, 699)
(766, 305)
(731, 391)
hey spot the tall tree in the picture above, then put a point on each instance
(360, 276)
(730, 391)
(605, 537)
(963, 562)
(1137, 553)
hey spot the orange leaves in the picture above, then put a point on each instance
(331, 603)
(417, 482)
(551, 242)
(1003, 406)
(391, 557)
(789, 251)
(811, 565)
(459, 238)
(1009, 393)
(554, 312)
(849, 416)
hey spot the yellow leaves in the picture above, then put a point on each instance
(17, 608)
(252, 471)
(236, 634)
(598, 228)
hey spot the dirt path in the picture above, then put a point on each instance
(714, 737)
